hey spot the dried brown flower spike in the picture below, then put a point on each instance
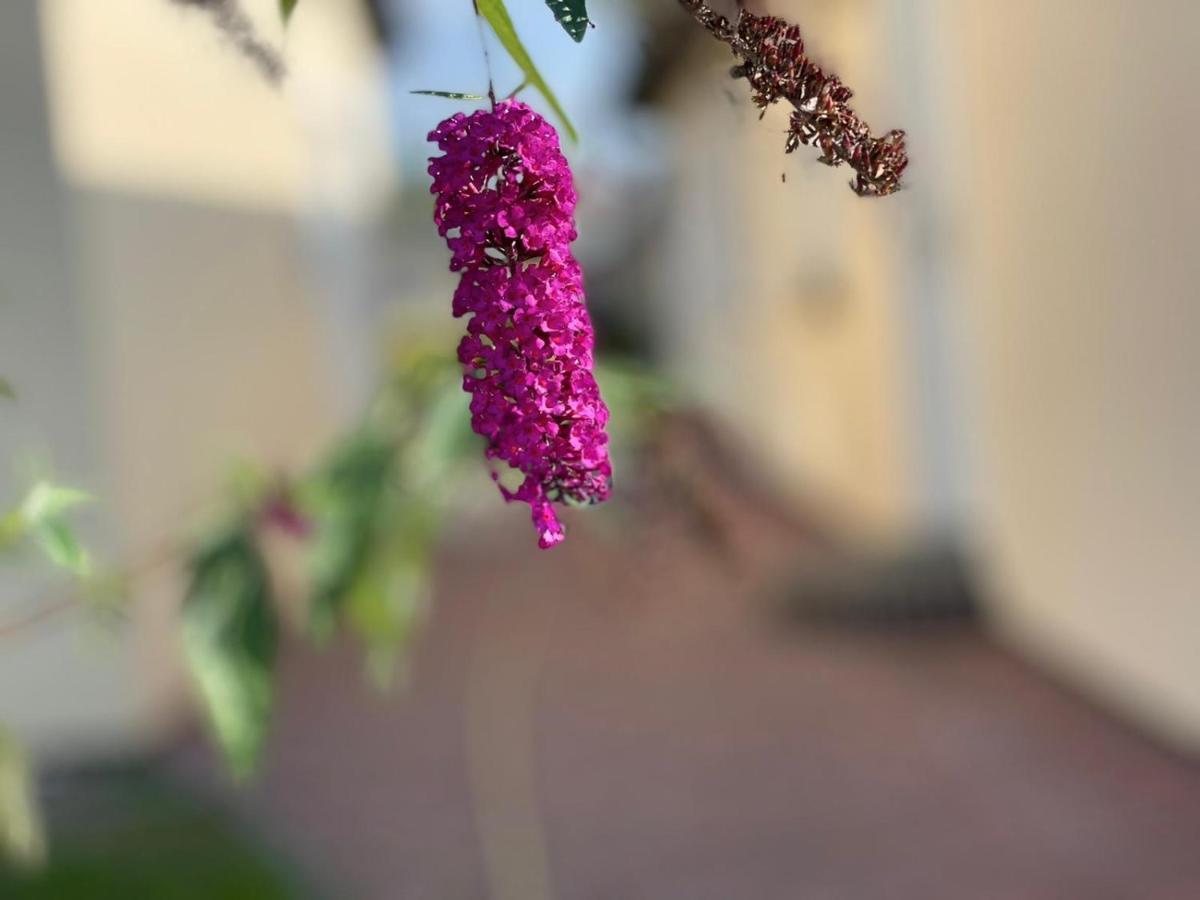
(774, 62)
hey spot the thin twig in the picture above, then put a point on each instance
(42, 612)
(52, 607)
(487, 59)
(239, 29)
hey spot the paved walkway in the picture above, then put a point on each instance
(680, 744)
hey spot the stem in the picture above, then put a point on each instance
(487, 59)
(41, 613)
(164, 553)
(239, 30)
(774, 62)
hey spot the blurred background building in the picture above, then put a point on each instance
(993, 369)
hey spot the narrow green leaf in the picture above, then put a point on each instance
(496, 15)
(43, 517)
(58, 541)
(22, 840)
(231, 637)
(286, 8)
(450, 95)
(47, 501)
(571, 15)
(7, 391)
(520, 87)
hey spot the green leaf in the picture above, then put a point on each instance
(344, 500)
(571, 15)
(385, 608)
(43, 517)
(7, 391)
(496, 14)
(286, 8)
(450, 95)
(47, 501)
(388, 599)
(22, 840)
(231, 638)
(57, 540)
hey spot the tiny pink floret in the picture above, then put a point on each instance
(505, 204)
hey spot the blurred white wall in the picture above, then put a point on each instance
(167, 317)
(54, 680)
(148, 96)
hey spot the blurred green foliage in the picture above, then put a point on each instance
(345, 497)
(372, 512)
(231, 637)
(42, 518)
(21, 840)
(367, 518)
(129, 836)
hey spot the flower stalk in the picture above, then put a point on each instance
(773, 60)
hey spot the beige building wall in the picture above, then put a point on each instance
(1009, 346)
(1074, 126)
(779, 292)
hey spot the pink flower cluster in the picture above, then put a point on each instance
(505, 204)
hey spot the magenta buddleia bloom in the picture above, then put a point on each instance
(505, 204)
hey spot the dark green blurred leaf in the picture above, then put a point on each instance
(343, 500)
(143, 837)
(450, 95)
(571, 15)
(385, 608)
(21, 839)
(286, 8)
(7, 391)
(377, 506)
(231, 636)
(496, 14)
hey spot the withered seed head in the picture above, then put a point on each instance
(773, 61)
